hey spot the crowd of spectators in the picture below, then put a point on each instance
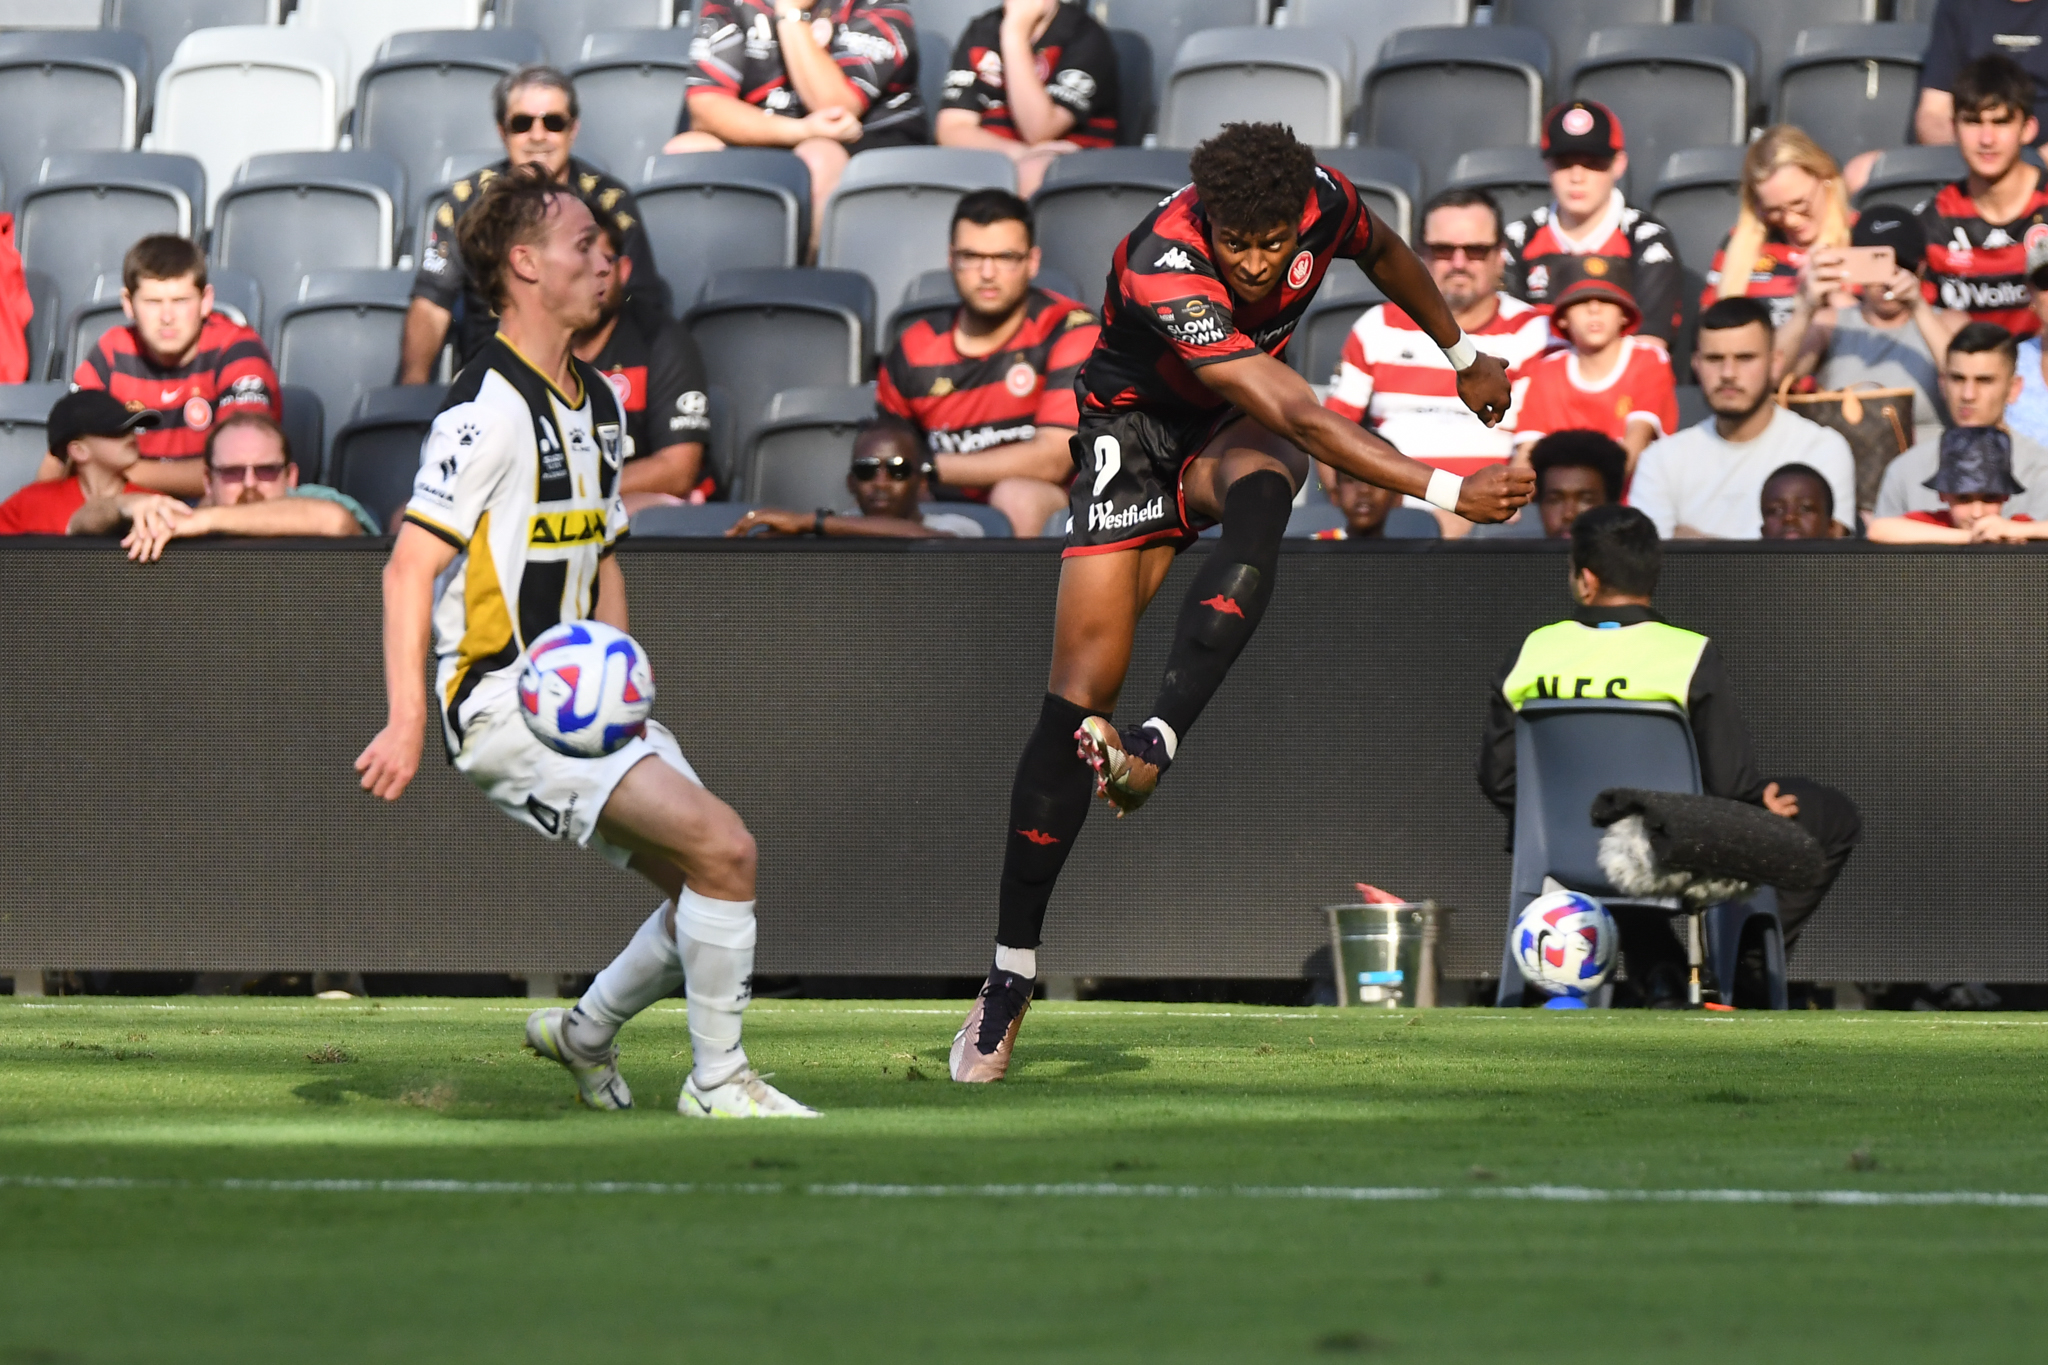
(1584, 298)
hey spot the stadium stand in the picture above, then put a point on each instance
(42, 326)
(290, 213)
(564, 26)
(1166, 24)
(762, 331)
(363, 25)
(163, 24)
(217, 77)
(1698, 194)
(1135, 100)
(24, 409)
(1909, 175)
(375, 455)
(305, 426)
(1776, 25)
(1319, 337)
(79, 220)
(62, 91)
(513, 47)
(629, 86)
(1296, 76)
(1517, 177)
(798, 455)
(893, 209)
(726, 210)
(235, 294)
(1369, 23)
(339, 336)
(1091, 199)
(421, 109)
(1852, 86)
(1387, 178)
(1438, 93)
(1672, 86)
(1567, 24)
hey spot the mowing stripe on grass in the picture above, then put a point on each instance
(1565, 1194)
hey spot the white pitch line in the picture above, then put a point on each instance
(1398, 1194)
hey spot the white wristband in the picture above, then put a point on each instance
(1461, 353)
(1443, 490)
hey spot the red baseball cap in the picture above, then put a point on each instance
(1582, 128)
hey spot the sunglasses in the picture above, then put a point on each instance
(243, 473)
(868, 468)
(1448, 251)
(523, 123)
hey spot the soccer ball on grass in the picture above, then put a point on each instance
(586, 689)
(1564, 943)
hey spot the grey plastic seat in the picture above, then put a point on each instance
(291, 213)
(692, 520)
(1672, 86)
(1318, 341)
(710, 211)
(208, 97)
(376, 454)
(77, 224)
(1387, 179)
(1853, 87)
(891, 216)
(1296, 76)
(1438, 93)
(50, 13)
(163, 24)
(514, 46)
(563, 25)
(798, 456)
(762, 331)
(1135, 100)
(42, 331)
(629, 101)
(1569, 23)
(1167, 24)
(363, 25)
(1567, 753)
(419, 110)
(305, 431)
(1369, 23)
(1411, 523)
(1698, 195)
(340, 337)
(653, 44)
(1776, 26)
(1911, 175)
(1091, 200)
(1516, 177)
(67, 91)
(24, 436)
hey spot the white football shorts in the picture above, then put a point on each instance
(553, 793)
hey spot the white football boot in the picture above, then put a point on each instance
(598, 1083)
(746, 1096)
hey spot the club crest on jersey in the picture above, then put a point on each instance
(1297, 274)
(1021, 379)
(622, 386)
(2036, 235)
(608, 443)
(198, 413)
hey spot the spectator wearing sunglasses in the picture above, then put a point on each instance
(1587, 156)
(536, 111)
(1395, 380)
(887, 480)
(253, 489)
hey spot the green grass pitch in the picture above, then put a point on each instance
(205, 1180)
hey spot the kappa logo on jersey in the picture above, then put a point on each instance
(1973, 296)
(1304, 265)
(1103, 517)
(1174, 259)
(1959, 242)
(565, 528)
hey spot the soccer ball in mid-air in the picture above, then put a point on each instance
(586, 689)
(1565, 943)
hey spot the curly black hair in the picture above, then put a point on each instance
(1253, 176)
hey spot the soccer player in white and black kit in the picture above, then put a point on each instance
(510, 530)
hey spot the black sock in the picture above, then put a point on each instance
(1048, 802)
(1228, 597)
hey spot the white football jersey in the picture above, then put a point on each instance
(523, 481)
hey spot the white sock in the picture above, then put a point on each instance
(1166, 736)
(1021, 961)
(648, 970)
(717, 942)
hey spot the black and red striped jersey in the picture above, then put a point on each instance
(1773, 275)
(736, 52)
(230, 370)
(1076, 62)
(966, 404)
(1167, 311)
(1979, 267)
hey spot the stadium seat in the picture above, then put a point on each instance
(696, 520)
(629, 98)
(762, 331)
(798, 455)
(1437, 93)
(1914, 11)
(340, 336)
(1387, 179)
(934, 58)
(1516, 177)
(376, 454)
(163, 24)
(78, 222)
(1776, 25)
(304, 431)
(1853, 87)
(1569, 23)
(1296, 76)
(1318, 341)
(891, 216)
(363, 25)
(1567, 753)
(24, 414)
(1412, 523)
(62, 91)
(289, 213)
(50, 13)
(207, 98)
(564, 25)
(1698, 195)
(1304, 522)
(42, 330)
(1135, 101)
(725, 210)
(1673, 86)
(1091, 200)
(1369, 23)
(1911, 175)
(420, 109)
(1166, 24)
(512, 46)
(932, 297)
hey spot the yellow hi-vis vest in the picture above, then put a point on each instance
(1648, 661)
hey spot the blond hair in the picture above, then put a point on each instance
(1779, 147)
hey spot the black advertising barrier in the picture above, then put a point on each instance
(184, 733)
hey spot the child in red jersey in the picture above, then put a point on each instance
(94, 438)
(1607, 381)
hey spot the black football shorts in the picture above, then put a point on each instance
(1127, 468)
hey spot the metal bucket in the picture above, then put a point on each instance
(1385, 955)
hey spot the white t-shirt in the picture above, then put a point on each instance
(1696, 479)
(1904, 486)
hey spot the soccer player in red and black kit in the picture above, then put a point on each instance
(1979, 228)
(1189, 418)
(993, 393)
(177, 358)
